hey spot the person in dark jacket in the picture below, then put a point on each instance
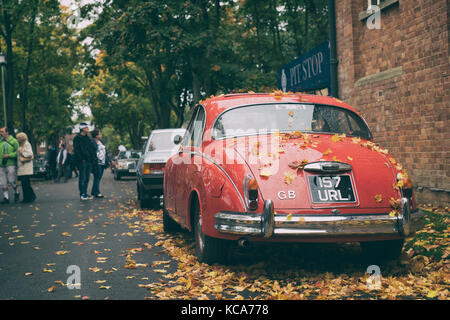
(52, 153)
(85, 158)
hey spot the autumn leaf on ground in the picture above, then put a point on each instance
(66, 234)
(51, 289)
(105, 287)
(62, 252)
(95, 269)
(327, 152)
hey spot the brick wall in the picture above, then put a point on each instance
(398, 78)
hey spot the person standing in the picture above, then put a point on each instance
(8, 158)
(25, 167)
(85, 157)
(61, 163)
(102, 162)
(51, 157)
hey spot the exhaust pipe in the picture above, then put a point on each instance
(243, 243)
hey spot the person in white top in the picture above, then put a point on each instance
(61, 161)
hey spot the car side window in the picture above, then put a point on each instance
(189, 130)
(198, 128)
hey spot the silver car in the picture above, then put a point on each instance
(126, 164)
(160, 146)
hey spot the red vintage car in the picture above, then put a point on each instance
(285, 167)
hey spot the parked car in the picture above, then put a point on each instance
(41, 167)
(159, 147)
(286, 167)
(126, 164)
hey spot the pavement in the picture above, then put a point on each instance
(60, 239)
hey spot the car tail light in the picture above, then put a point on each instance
(251, 192)
(406, 186)
(149, 168)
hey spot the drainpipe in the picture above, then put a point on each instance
(334, 92)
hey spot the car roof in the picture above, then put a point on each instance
(168, 130)
(221, 103)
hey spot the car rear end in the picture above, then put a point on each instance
(318, 186)
(159, 148)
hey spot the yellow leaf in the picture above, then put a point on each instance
(432, 293)
(393, 213)
(356, 140)
(51, 289)
(289, 176)
(378, 198)
(265, 173)
(289, 217)
(105, 287)
(337, 137)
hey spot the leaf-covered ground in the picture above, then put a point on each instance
(123, 253)
(308, 271)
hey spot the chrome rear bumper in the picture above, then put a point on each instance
(268, 224)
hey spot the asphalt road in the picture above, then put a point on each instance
(116, 251)
(40, 241)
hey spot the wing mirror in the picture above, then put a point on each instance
(177, 139)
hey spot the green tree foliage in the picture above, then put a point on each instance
(173, 53)
(44, 63)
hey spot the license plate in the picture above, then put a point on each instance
(132, 170)
(331, 189)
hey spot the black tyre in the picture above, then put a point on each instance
(169, 225)
(145, 200)
(382, 250)
(138, 191)
(207, 249)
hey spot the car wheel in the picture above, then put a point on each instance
(169, 225)
(145, 201)
(382, 250)
(138, 191)
(208, 250)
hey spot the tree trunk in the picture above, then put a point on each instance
(24, 96)
(9, 73)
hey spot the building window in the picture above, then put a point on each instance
(375, 2)
(382, 5)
